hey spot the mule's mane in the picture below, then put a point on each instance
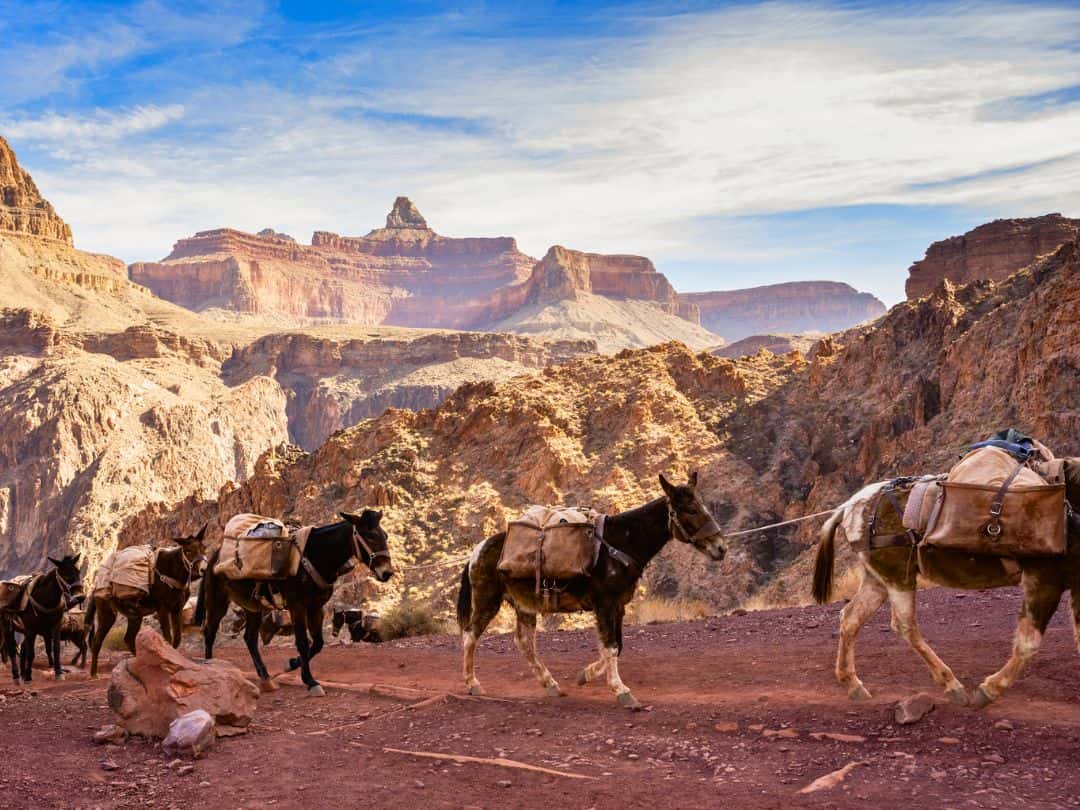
(319, 531)
(638, 511)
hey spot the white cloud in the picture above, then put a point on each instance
(622, 142)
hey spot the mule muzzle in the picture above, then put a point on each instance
(714, 547)
(383, 571)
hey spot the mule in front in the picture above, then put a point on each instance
(629, 542)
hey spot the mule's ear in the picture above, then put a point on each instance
(693, 479)
(75, 560)
(667, 485)
(378, 516)
(54, 562)
(347, 516)
(202, 532)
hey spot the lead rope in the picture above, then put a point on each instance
(781, 523)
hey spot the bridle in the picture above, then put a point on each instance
(189, 568)
(359, 543)
(708, 529)
(66, 590)
(360, 549)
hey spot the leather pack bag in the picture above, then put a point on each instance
(13, 592)
(550, 543)
(258, 547)
(994, 504)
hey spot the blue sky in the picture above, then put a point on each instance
(734, 143)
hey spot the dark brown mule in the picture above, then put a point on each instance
(331, 551)
(888, 573)
(174, 569)
(50, 595)
(631, 540)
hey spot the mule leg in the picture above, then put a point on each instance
(217, 605)
(26, 655)
(905, 625)
(609, 631)
(53, 643)
(11, 651)
(486, 602)
(300, 631)
(1041, 599)
(252, 622)
(595, 669)
(104, 619)
(80, 653)
(525, 641)
(134, 625)
(870, 596)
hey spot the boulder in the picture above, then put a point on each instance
(913, 709)
(159, 684)
(190, 734)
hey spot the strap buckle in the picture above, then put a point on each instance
(995, 508)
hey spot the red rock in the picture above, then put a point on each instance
(913, 709)
(159, 684)
(992, 251)
(22, 208)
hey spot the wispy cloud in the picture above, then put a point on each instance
(623, 132)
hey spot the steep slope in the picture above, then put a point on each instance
(798, 306)
(22, 208)
(994, 251)
(773, 437)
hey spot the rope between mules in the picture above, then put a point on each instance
(781, 523)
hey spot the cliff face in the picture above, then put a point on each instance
(22, 208)
(773, 437)
(798, 306)
(992, 251)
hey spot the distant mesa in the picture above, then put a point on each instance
(22, 208)
(993, 251)
(270, 233)
(406, 274)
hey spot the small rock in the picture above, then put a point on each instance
(949, 740)
(727, 728)
(109, 765)
(935, 774)
(782, 733)
(832, 735)
(504, 783)
(190, 734)
(995, 759)
(1004, 725)
(111, 734)
(417, 783)
(756, 727)
(184, 770)
(913, 709)
(174, 763)
(204, 784)
(632, 756)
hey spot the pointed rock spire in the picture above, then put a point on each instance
(22, 208)
(405, 215)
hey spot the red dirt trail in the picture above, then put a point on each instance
(714, 689)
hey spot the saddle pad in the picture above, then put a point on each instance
(126, 572)
(550, 543)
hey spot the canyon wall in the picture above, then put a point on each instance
(993, 251)
(22, 208)
(797, 306)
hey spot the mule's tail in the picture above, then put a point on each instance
(823, 564)
(464, 600)
(200, 601)
(91, 611)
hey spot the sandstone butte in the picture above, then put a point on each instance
(406, 274)
(112, 398)
(773, 437)
(994, 251)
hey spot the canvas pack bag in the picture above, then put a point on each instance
(13, 592)
(127, 573)
(258, 547)
(994, 504)
(551, 543)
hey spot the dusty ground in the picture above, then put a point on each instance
(715, 689)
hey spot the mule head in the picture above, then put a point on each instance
(689, 519)
(193, 548)
(373, 542)
(69, 577)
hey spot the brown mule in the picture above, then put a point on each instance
(174, 569)
(889, 574)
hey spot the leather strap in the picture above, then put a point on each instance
(708, 529)
(993, 527)
(890, 493)
(316, 577)
(36, 605)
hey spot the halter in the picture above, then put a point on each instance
(708, 529)
(360, 547)
(189, 566)
(360, 543)
(65, 592)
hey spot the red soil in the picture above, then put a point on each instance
(761, 672)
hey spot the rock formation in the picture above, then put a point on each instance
(992, 251)
(798, 306)
(777, 344)
(405, 215)
(772, 437)
(22, 208)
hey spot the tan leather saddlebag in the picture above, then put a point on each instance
(549, 543)
(993, 504)
(12, 592)
(126, 573)
(257, 547)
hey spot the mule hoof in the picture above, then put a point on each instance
(981, 699)
(476, 690)
(582, 678)
(267, 686)
(628, 701)
(316, 691)
(958, 696)
(859, 692)
(555, 691)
